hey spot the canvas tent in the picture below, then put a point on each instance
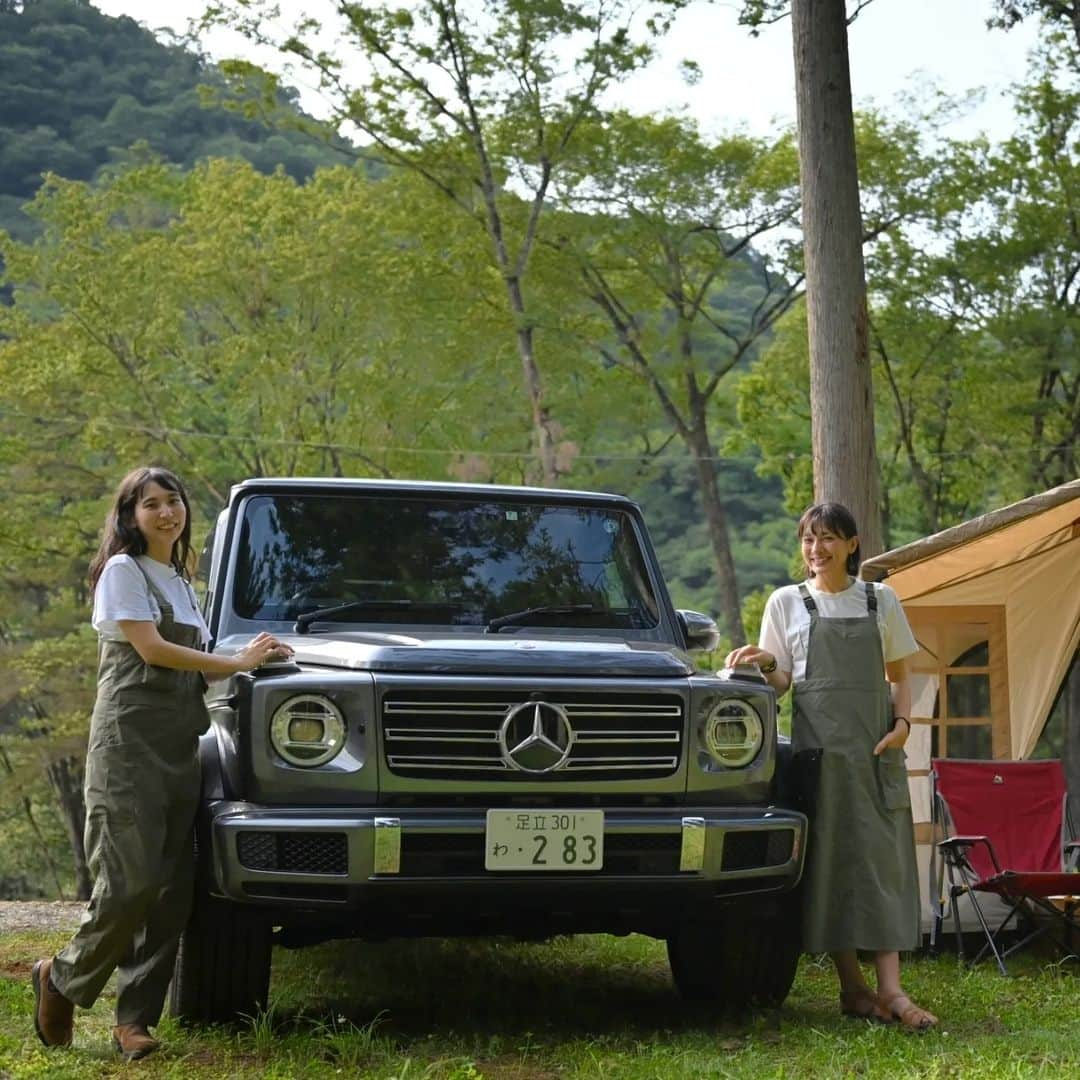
(995, 606)
(1024, 561)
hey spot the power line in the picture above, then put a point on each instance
(368, 451)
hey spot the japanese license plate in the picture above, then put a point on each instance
(544, 840)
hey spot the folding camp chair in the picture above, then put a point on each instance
(1005, 829)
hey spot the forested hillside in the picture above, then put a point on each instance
(81, 91)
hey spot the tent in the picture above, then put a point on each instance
(995, 606)
(1024, 561)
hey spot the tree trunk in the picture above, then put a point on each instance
(716, 520)
(841, 395)
(65, 776)
(542, 424)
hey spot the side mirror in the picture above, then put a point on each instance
(700, 631)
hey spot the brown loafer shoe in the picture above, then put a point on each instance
(54, 1015)
(133, 1041)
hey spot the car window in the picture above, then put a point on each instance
(452, 562)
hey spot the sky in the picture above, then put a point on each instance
(748, 83)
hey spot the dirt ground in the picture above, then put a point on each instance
(19, 916)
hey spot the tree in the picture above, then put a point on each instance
(485, 103)
(664, 254)
(841, 391)
(970, 324)
(80, 88)
(225, 322)
(1011, 12)
(1023, 254)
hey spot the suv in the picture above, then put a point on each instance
(490, 726)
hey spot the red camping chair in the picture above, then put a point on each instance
(1004, 823)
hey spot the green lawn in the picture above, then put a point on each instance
(576, 1007)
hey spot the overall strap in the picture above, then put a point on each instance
(808, 600)
(162, 601)
(871, 598)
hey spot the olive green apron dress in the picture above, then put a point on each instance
(861, 886)
(142, 789)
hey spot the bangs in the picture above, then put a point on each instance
(156, 475)
(828, 517)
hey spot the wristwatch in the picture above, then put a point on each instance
(769, 668)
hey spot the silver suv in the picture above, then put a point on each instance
(490, 726)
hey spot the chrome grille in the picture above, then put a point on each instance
(451, 735)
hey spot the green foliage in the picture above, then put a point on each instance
(1024, 267)
(659, 229)
(973, 318)
(761, 535)
(225, 322)
(487, 104)
(80, 88)
(757, 13)
(1007, 13)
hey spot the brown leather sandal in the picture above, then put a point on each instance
(863, 1004)
(911, 1017)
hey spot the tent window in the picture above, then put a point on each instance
(962, 741)
(969, 696)
(977, 656)
(960, 682)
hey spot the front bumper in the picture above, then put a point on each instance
(426, 866)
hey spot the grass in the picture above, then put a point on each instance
(577, 1007)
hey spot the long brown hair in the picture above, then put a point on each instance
(835, 518)
(121, 535)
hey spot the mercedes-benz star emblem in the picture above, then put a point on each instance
(536, 737)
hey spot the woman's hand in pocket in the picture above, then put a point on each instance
(895, 738)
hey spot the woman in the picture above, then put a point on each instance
(142, 766)
(843, 645)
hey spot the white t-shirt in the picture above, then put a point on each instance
(785, 628)
(122, 593)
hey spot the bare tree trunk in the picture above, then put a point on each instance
(716, 520)
(542, 423)
(65, 776)
(841, 395)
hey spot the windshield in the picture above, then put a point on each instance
(453, 562)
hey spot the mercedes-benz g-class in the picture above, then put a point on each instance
(490, 725)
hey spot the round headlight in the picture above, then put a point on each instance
(307, 730)
(733, 733)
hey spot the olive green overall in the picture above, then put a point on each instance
(861, 887)
(142, 789)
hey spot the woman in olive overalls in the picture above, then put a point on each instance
(843, 645)
(142, 768)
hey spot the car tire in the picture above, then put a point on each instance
(744, 956)
(222, 971)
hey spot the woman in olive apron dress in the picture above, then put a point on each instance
(842, 644)
(142, 767)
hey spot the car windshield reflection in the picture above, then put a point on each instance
(327, 561)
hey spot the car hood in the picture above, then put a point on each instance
(482, 655)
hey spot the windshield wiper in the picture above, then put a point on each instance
(517, 618)
(304, 621)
